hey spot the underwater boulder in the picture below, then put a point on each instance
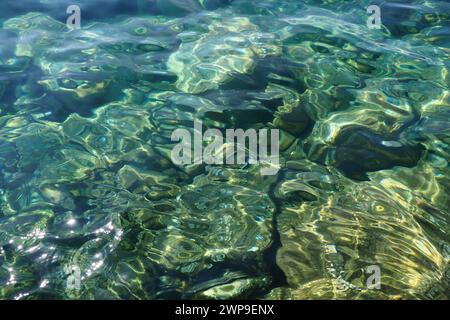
(332, 229)
(356, 151)
(227, 51)
(370, 135)
(85, 68)
(192, 244)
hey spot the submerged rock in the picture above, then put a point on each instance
(87, 67)
(189, 243)
(332, 229)
(227, 51)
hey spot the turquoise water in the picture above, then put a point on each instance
(92, 205)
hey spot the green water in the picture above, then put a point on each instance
(88, 186)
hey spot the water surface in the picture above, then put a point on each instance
(87, 182)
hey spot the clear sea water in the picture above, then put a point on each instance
(93, 207)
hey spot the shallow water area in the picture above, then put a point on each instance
(92, 205)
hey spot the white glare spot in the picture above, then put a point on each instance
(44, 283)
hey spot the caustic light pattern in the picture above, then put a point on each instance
(92, 205)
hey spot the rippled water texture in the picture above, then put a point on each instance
(86, 177)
